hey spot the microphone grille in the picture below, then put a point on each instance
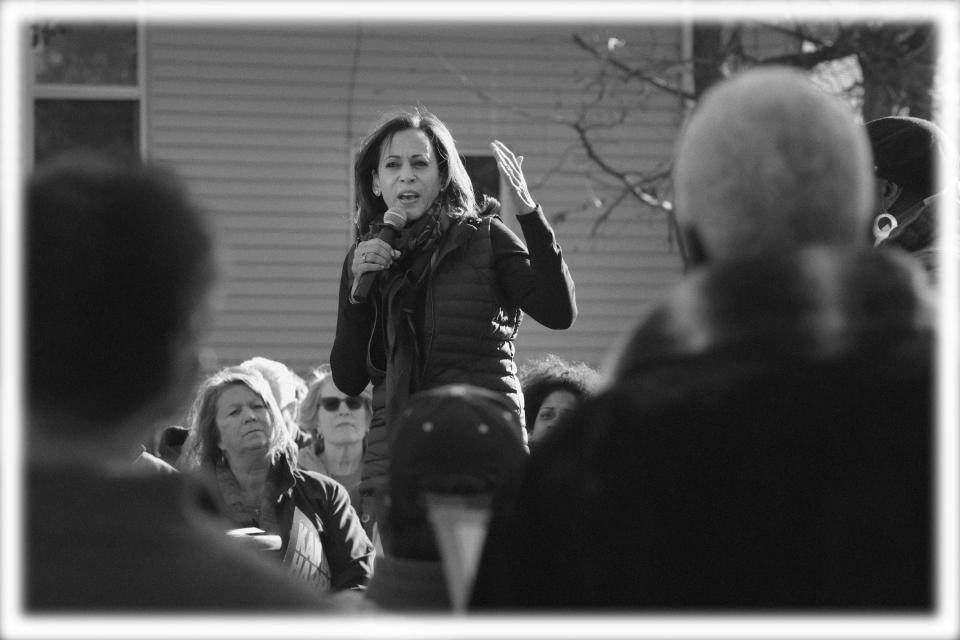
(395, 219)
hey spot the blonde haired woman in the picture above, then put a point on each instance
(240, 441)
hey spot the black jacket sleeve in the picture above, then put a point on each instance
(348, 357)
(535, 277)
(348, 549)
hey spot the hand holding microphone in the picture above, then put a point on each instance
(376, 254)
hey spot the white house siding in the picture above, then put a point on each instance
(263, 123)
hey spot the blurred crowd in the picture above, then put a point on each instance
(762, 438)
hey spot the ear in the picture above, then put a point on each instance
(890, 192)
(376, 183)
(695, 252)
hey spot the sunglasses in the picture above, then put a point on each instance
(332, 404)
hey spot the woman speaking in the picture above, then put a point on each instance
(450, 280)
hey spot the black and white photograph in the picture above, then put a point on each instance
(480, 320)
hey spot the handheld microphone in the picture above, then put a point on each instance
(393, 222)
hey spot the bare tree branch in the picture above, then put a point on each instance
(608, 210)
(630, 72)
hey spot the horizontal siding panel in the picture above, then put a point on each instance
(307, 140)
(276, 106)
(271, 56)
(267, 336)
(208, 41)
(302, 359)
(279, 304)
(275, 240)
(279, 320)
(249, 172)
(186, 86)
(258, 204)
(181, 118)
(217, 156)
(530, 43)
(265, 75)
(290, 273)
(223, 186)
(273, 287)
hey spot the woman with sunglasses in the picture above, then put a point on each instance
(240, 442)
(339, 425)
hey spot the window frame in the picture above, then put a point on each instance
(63, 91)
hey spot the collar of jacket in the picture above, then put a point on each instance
(457, 233)
(812, 303)
(281, 478)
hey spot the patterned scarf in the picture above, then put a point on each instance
(399, 291)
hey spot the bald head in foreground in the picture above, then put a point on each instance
(769, 161)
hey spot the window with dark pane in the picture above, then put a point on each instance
(484, 175)
(110, 126)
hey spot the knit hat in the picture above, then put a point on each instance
(906, 151)
(453, 448)
(455, 439)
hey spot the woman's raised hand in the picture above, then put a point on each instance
(513, 186)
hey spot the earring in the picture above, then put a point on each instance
(883, 226)
(376, 191)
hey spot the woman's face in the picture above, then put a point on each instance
(554, 407)
(408, 174)
(243, 420)
(337, 422)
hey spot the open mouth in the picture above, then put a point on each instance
(408, 197)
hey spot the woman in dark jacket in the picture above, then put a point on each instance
(240, 441)
(449, 294)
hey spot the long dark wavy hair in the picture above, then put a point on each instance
(456, 190)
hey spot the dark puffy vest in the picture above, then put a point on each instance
(469, 328)
(468, 332)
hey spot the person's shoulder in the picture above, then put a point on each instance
(148, 462)
(308, 460)
(317, 482)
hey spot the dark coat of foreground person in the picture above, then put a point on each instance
(766, 445)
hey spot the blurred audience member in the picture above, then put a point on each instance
(170, 443)
(454, 448)
(147, 460)
(552, 388)
(288, 390)
(119, 263)
(907, 153)
(765, 441)
(338, 425)
(239, 440)
(766, 175)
